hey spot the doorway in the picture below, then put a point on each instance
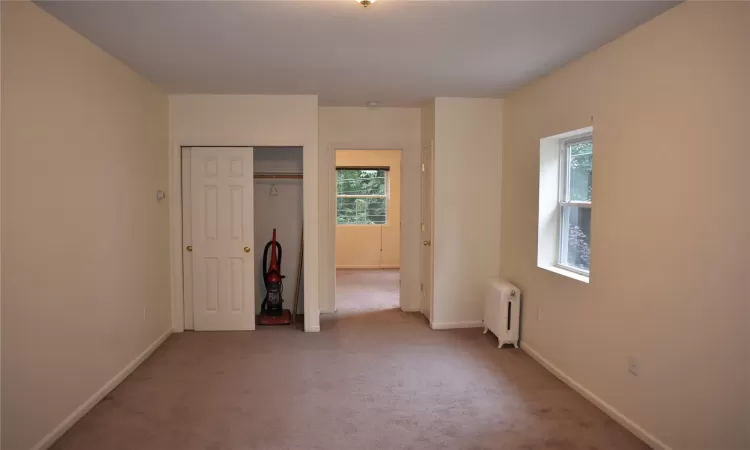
(368, 230)
(279, 206)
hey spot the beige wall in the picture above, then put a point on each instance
(669, 256)
(85, 243)
(252, 120)
(371, 128)
(468, 150)
(372, 246)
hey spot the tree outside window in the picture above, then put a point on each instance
(361, 196)
(575, 203)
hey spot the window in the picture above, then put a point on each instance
(576, 169)
(361, 196)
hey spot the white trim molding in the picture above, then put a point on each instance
(454, 325)
(175, 238)
(608, 409)
(108, 387)
(370, 267)
(567, 273)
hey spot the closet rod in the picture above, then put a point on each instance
(278, 175)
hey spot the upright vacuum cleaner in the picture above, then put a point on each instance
(272, 310)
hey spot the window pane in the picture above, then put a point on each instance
(575, 237)
(361, 181)
(353, 210)
(579, 172)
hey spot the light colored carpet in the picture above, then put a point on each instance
(362, 290)
(379, 380)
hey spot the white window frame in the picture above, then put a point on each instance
(565, 202)
(383, 196)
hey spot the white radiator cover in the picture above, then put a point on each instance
(502, 311)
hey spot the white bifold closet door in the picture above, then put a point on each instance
(222, 238)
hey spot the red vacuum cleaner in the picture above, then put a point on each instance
(272, 310)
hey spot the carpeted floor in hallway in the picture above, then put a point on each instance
(362, 290)
(370, 380)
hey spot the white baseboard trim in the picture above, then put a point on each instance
(332, 311)
(81, 411)
(616, 415)
(314, 329)
(452, 325)
(368, 267)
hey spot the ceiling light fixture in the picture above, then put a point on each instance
(365, 3)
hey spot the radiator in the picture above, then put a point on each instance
(502, 311)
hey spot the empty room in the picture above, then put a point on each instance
(359, 224)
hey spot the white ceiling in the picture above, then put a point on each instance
(399, 53)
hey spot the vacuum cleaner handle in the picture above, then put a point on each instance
(265, 258)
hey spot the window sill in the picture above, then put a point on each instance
(567, 273)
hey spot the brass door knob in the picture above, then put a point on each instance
(427, 243)
(247, 249)
(189, 248)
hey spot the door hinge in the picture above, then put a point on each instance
(422, 226)
(422, 167)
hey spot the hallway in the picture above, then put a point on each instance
(366, 290)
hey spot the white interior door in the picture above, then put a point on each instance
(222, 238)
(427, 235)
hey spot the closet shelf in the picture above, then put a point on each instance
(278, 175)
